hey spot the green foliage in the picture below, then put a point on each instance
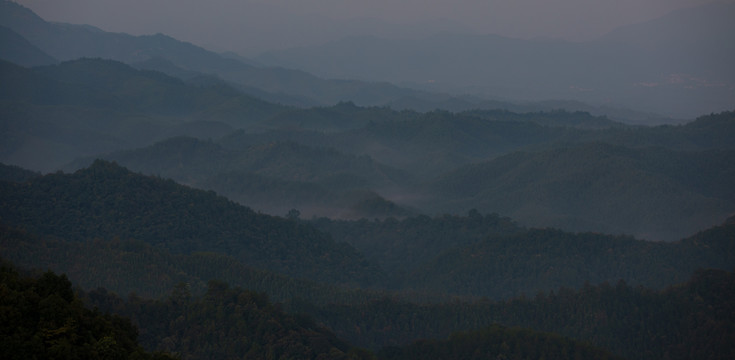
(43, 319)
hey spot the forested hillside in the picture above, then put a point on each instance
(106, 201)
(491, 256)
(600, 187)
(202, 205)
(275, 177)
(117, 214)
(559, 169)
(689, 320)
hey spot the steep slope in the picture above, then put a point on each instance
(68, 42)
(106, 201)
(16, 49)
(56, 113)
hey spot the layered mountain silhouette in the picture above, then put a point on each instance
(678, 64)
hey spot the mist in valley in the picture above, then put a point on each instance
(362, 180)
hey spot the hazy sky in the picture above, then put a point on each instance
(249, 26)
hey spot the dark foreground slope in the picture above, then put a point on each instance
(226, 323)
(106, 201)
(232, 322)
(43, 319)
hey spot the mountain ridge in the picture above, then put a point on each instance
(114, 202)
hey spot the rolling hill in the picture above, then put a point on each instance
(56, 113)
(274, 177)
(69, 42)
(106, 201)
(654, 193)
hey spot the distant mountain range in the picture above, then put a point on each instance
(659, 183)
(678, 65)
(79, 108)
(70, 42)
(231, 210)
(277, 84)
(348, 160)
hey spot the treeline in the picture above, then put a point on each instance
(111, 228)
(133, 266)
(400, 246)
(685, 321)
(489, 255)
(158, 232)
(541, 169)
(231, 321)
(45, 319)
(106, 201)
(225, 323)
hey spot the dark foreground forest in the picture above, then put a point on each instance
(241, 282)
(44, 318)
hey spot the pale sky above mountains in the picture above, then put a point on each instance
(251, 26)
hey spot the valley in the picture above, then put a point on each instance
(160, 200)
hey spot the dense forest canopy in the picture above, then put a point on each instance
(44, 319)
(159, 200)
